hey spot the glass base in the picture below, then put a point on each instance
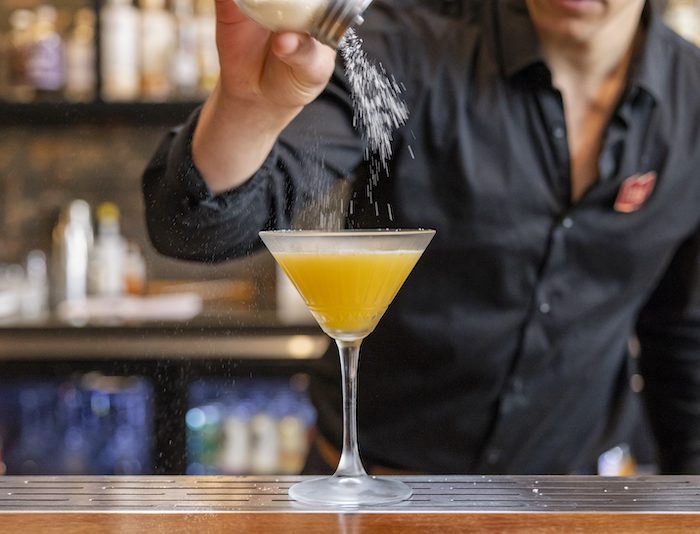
(350, 491)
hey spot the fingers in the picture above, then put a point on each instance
(228, 12)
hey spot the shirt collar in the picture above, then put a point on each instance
(650, 66)
(519, 45)
(520, 50)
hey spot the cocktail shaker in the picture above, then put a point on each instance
(325, 20)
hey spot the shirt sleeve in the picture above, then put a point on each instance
(321, 145)
(669, 334)
(186, 220)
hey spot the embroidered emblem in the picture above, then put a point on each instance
(635, 191)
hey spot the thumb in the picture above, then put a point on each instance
(305, 54)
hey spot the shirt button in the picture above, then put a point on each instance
(558, 132)
(545, 307)
(516, 385)
(567, 222)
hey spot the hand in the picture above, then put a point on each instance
(266, 79)
(262, 68)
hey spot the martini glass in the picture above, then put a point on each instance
(348, 279)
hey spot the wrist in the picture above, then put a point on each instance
(233, 137)
(258, 115)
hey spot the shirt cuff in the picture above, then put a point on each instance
(197, 195)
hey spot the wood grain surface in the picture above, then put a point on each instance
(346, 523)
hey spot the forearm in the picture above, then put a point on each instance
(185, 220)
(233, 138)
(229, 173)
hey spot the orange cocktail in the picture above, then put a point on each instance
(348, 291)
(348, 279)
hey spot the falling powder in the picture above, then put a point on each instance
(378, 106)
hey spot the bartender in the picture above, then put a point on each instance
(553, 145)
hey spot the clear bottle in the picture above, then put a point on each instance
(81, 57)
(119, 51)
(134, 269)
(19, 50)
(72, 244)
(235, 451)
(47, 63)
(291, 428)
(264, 438)
(185, 65)
(157, 41)
(36, 286)
(107, 265)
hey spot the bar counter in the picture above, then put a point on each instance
(444, 504)
(241, 336)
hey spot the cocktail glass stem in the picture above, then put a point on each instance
(348, 278)
(350, 464)
(350, 485)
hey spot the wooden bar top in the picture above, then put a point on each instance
(346, 523)
(445, 504)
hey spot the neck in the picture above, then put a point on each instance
(585, 58)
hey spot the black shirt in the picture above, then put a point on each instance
(507, 348)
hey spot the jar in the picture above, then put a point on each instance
(325, 20)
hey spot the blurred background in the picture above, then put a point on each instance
(113, 359)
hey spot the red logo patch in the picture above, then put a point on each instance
(634, 192)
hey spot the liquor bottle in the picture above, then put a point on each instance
(19, 49)
(235, 451)
(207, 54)
(119, 51)
(80, 58)
(72, 243)
(264, 439)
(185, 63)
(47, 59)
(36, 287)
(157, 41)
(107, 265)
(134, 269)
(292, 432)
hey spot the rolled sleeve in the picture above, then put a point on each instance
(186, 220)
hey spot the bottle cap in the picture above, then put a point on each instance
(21, 19)
(107, 211)
(79, 211)
(337, 18)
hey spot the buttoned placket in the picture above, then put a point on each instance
(534, 347)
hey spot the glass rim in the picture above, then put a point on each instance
(349, 232)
